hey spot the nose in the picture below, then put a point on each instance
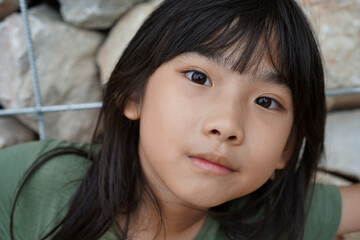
(225, 127)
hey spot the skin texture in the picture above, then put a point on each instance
(220, 119)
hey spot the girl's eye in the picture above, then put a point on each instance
(198, 77)
(268, 103)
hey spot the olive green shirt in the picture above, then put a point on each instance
(43, 201)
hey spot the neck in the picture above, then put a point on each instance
(179, 218)
(176, 221)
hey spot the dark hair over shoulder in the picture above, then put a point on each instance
(276, 29)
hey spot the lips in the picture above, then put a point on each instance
(212, 164)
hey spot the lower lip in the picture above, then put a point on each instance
(210, 166)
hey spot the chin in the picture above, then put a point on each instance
(201, 202)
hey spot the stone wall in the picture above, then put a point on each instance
(337, 25)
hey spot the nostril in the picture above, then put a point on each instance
(232, 138)
(214, 131)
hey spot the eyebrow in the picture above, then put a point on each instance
(266, 76)
(270, 77)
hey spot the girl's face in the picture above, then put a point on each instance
(208, 134)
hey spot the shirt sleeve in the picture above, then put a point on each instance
(324, 213)
(43, 201)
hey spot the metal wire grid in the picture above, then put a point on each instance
(39, 109)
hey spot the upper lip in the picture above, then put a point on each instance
(215, 158)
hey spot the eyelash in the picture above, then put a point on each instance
(277, 106)
(191, 73)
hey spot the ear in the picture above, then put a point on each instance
(283, 160)
(132, 109)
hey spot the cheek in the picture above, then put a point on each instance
(268, 145)
(271, 131)
(163, 123)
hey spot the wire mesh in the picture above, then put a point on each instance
(33, 69)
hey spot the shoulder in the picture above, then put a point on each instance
(24, 155)
(324, 212)
(36, 148)
(48, 190)
(16, 160)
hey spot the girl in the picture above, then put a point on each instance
(211, 128)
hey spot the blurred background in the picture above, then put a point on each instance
(77, 43)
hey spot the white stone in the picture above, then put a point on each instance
(66, 68)
(322, 177)
(120, 36)
(12, 132)
(94, 14)
(346, 101)
(337, 25)
(342, 142)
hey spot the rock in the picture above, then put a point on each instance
(119, 36)
(12, 132)
(342, 142)
(327, 178)
(94, 14)
(337, 25)
(345, 101)
(351, 236)
(66, 68)
(7, 7)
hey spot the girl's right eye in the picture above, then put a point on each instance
(198, 77)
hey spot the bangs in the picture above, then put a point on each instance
(244, 48)
(242, 34)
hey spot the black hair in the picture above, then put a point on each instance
(278, 29)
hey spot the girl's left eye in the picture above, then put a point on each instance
(198, 77)
(268, 103)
